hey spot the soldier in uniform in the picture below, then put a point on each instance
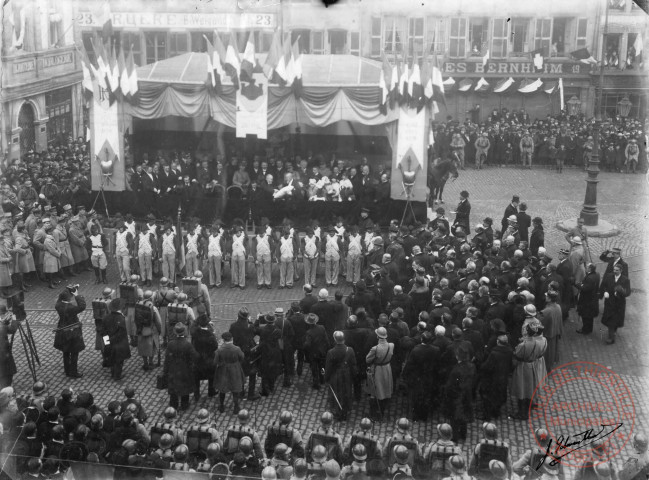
(402, 438)
(124, 251)
(179, 368)
(201, 434)
(236, 434)
(340, 370)
(229, 375)
(162, 299)
(238, 256)
(117, 350)
(365, 437)
(286, 252)
(100, 308)
(77, 239)
(216, 248)
(194, 248)
(214, 456)
(529, 465)
(310, 256)
(280, 462)
(354, 252)
(179, 312)
(145, 247)
(69, 338)
(148, 327)
(332, 247)
(280, 431)
(636, 466)
(315, 467)
(96, 244)
(130, 293)
(359, 454)
(487, 449)
(169, 426)
(263, 246)
(327, 436)
(243, 333)
(201, 297)
(438, 453)
(181, 459)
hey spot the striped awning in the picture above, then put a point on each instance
(530, 86)
(465, 85)
(482, 85)
(503, 85)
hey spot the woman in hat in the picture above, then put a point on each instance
(379, 380)
(530, 365)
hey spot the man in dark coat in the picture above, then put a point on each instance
(316, 345)
(494, 377)
(295, 316)
(511, 209)
(361, 297)
(205, 344)
(243, 333)
(326, 314)
(419, 374)
(614, 289)
(270, 365)
(588, 301)
(462, 214)
(8, 326)
(537, 238)
(286, 346)
(68, 337)
(613, 257)
(340, 370)
(564, 269)
(114, 327)
(356, 337)
(524, 221)
(308, 300)
(180, 360)
(457, 404)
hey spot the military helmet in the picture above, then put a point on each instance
(300, 468)
(366, 424)
(134, 278)
(332, 469)
(327, 418)
(182, 297)
(170, 413)
(498, 469)
(445, 431)
(166, 441)
(203, 415)
(245, 445)
(213, 449)
(401, 453)
(130, 446)
(359, 452)
(319, 453)
(147, 294)
(457, 463)
(285, 417)
(269, 473)
(281, 449)
(541, 435)
(243, 415)
(490, 430)
(181, 452)
(640, 442)
(107, 292)
(403, 424)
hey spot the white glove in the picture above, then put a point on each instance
(606, 295)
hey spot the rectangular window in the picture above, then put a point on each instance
(393, 34)
(133, 40)
(317, 42)
(612, 48)
(582, 32)
(303, 37)
(436, 35)
(58, 104)
(375, 48)
(263, 41)
(198, 41)
(560, 27)
(520, 32)
(355, 43)
(543, 35)
(337, 42)
(499, 38)
(458, 37)
(631, 60)
(177, 43)
(478, 32)
(415, 38)
(156, 46)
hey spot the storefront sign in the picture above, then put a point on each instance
(23, 67)
(409, 163)
(199, 21)
(515, 68)
(56, 60)
(252, 108)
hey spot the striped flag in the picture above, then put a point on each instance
(248, 59)
(87, 76)
(132, 74)
(273, 59)
(232, 61)
(297, 69)
(124, 83)
(210, 81)
(437, 83)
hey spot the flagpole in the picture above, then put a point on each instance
(598, 113)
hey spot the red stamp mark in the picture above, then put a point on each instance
(588, 411)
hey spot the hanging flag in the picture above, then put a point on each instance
(438, 83)
(102, 66)
(218, 57)
(549, 87)
(273, 58)
(124, 83)
(465, 85)
(248, 60)
(289, 63)
(113, 71)
(210, 80)
(561, 93)
(384, 83)
(297, 69)
(485, 58)
(280, 69)
(403, 82)
(232, 61)
(393, 94)
(415, 88)
(482, 85)
(427, 80)
(87, 76)
(180, 244)
(537, 58)
(529, 86)
(584, 56)
(503, 85)
(132, 75)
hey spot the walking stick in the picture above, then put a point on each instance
(335, 397)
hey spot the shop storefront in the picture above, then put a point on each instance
(624, 94)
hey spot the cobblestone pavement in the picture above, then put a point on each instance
(622, 201)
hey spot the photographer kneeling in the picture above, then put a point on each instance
(69, 337)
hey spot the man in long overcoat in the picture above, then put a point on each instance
(614, 289)
(69, 338)
(551, 319)
(340, 370)
(8, 326)
(205, 343)
(243, 334)
(419, 373)
(588, 300)
(179, 368)
(270, 365)
(114, 326)
(495, 376)
(229, 375)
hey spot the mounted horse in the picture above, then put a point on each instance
(439, 172)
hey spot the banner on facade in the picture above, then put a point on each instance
(252, 107)
(107, 143)
(409, 156)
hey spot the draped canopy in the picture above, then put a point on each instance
(335, 88)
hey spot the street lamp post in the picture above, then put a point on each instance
(589, 211)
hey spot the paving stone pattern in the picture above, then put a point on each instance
(622, 201)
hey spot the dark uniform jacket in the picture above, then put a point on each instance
(114, 325)
(69, 339)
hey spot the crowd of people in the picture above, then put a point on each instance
(513, 139)
(459, 321)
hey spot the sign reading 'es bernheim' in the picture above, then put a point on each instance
(515, 68)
